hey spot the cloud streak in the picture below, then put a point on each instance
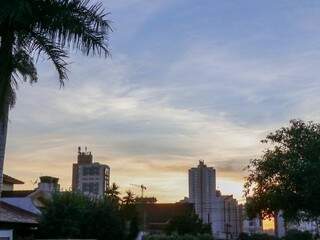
(168, 97)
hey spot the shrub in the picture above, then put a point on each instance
(244, 236)
(73, 215)
(297, 235)
(262, 236)
(179, 237)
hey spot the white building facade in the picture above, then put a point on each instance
(202, 188)
(222, 212)
(282, 227)
(88, 177)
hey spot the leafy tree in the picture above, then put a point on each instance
(73, 215)
(188, 223)
(29, 28)
(286, 177)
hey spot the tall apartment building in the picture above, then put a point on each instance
(88, 177)
(222, 212)
(202, 190)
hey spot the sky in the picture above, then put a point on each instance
(187, 80)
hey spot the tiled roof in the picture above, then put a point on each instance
(10, 180)
(24, 203)
(12, 214)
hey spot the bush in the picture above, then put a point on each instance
(244, 236)
(188, 223)
(179, 237)
(73, 215)
(262, 236)
(297, 235)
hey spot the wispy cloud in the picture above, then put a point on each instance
(169, 97)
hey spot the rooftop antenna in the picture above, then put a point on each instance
(34, 182)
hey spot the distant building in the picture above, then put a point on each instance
(222, 212)
(226, 217)
(88, 177)
(251, 226)
(202, 189)
(281, 226)
(9, 182)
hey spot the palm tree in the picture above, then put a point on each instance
(129, 198)
(113, 193)
(29, 28)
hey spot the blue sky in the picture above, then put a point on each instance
(187, 80)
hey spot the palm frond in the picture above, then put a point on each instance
(23, 65)
(42, 45)
(76, 24)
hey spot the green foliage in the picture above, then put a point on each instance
(244, 236)
(113, 193)
(73, 215)
(297, 235)
(179, 237)
(286, 177)
(130, 215)
(262, 236)
(257, 236)
(188, 223)
(50, 28)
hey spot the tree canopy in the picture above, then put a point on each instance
(73, 215)
(188, 223)
(286, 177)
(29, 28)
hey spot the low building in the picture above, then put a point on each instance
(226, 217)
(281, 226)
(9, 182)
(88, 177)
(251, 226)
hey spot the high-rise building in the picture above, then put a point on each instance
(88, 177)
(222, 212)
(202, 190)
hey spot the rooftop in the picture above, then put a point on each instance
(12, 214)
(10, 180)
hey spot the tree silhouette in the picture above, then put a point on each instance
(113, 193)
(129, 198)
(286, 177)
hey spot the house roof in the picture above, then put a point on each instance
(16, 193)
(24, 203)
(10, 180)
(12, 214)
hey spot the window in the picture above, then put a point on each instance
(90, 171)
(85, 187)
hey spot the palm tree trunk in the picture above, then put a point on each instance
(6, 47)
(3, 140)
